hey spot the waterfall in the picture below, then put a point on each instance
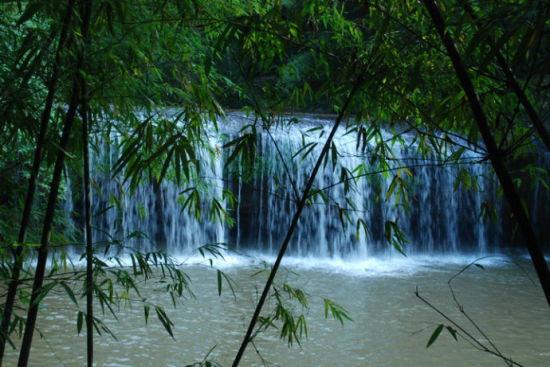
(152, 216)
(440, 218)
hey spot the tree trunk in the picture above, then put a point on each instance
(46, 230)
(85, 11)
(52, 199)
(510, 191)
(89, 243)
(29, 198)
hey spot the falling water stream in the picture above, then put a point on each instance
(358, 270)
(441, 217)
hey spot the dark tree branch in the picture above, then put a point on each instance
(294, 224)
(46, 230)
(508, 187)
(514, 85)
(86, 9)
(464, 333)
(52, 200)
(29, 199)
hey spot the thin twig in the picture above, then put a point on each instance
(461, 307)
(471, 339)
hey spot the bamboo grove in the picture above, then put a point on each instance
(457, 76)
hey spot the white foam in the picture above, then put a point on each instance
(384, 266)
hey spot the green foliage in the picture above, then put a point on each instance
(394, 236)
(336, 311)
(205, 362)
(288, 305)
(288, 309)
(158, 75)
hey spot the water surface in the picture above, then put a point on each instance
(391, 325)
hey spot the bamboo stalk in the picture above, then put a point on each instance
(33, 180)
(510, 191)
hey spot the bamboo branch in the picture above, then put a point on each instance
(510, 190)
(86, 9)
(514, 85)
(294, 224)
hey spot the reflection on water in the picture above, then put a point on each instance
(391, 326)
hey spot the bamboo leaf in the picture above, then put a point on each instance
(435, 335)
(452, 332)
(43, 292)
(69, 292)
(164, 320)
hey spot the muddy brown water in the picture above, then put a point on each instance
(390, 327)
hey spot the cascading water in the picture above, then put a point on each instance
(153, 213)
(438, 219)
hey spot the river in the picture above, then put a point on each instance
(330, 256)
(390, 327)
